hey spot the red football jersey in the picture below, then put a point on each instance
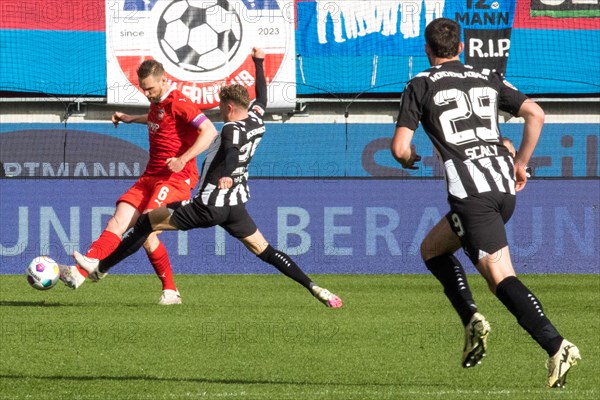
(172, 129)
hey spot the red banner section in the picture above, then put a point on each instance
(64, 15)
(207, 93)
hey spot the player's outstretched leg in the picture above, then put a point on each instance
(476, 333)
(560, 363)
(289, 268)
(72, 275)
(131, 243)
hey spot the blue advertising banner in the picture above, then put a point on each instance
(288, 150)
(328, 226)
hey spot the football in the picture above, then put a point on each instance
(42, 273)
(199, 36)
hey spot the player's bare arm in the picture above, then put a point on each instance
(128, 119)
(534, 121)
(402, 150)
(206, 135)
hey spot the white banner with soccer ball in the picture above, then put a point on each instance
(203, 44)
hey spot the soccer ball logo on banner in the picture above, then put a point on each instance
(203, 45)
(199, 36)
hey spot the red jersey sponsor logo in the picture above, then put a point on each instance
(171, 132)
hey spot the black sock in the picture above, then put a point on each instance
(448, 270)
(529, 313)
(285, 265)
(132, 241)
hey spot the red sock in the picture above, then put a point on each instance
(101, 248)
(162, 266)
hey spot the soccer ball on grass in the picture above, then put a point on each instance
(42, 273)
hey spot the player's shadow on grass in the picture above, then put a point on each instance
(208, 380)
(42, 303)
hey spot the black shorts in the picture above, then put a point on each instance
(234, 219)
(479, 222)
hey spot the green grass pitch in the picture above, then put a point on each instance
(265, 337)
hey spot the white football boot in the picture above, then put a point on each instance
(559, 364)
(326, 297)
(476, 333)
(169, 297)
(90, 265)
(71, 276)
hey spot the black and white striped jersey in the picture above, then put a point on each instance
(458, 108)
(244, 135)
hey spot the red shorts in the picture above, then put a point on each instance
(150, 192)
